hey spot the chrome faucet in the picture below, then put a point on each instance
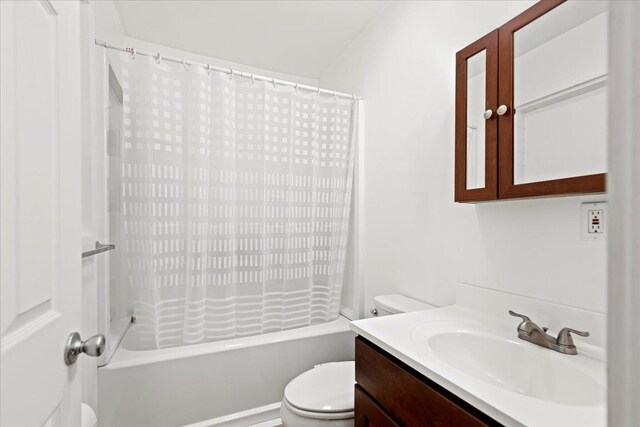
(529, 331)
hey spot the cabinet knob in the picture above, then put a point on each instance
(502, 110)
(487, 114)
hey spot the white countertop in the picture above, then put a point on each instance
(405, 336)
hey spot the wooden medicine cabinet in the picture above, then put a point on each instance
(531, 105)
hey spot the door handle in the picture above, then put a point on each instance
(94, 347)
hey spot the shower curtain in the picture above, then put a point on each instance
(235, 198)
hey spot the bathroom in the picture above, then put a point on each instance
(319, 213)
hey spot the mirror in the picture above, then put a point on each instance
(476, 99)
(560, 93)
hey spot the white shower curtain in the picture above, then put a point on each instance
(235, 202)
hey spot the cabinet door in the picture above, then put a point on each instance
(476, 164)
(411, 399)
(553, 100)
(369, 414)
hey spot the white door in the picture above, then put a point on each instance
(40, 215)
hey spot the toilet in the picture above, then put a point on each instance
(323, 396)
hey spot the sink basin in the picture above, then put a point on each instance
(518, 367)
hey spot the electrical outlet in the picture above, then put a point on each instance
(596, 221)
(593, 221)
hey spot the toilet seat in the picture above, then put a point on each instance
(318, 415)
(324, 392)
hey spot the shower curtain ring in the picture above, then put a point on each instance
(208, 69)
(158, 58)
(184, 64)
(253, 79)
(318, 90)
(273, 80)
(231, 73)
(296, 87)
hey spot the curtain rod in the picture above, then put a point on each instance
(230, 71)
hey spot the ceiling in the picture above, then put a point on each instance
(295, 37)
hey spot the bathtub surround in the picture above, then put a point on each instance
(235, 202)
(417, 240)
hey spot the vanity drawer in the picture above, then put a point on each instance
(369, 414)
(408, 396)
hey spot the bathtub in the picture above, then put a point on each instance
(236, 382)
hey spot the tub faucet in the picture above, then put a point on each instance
(531, 332)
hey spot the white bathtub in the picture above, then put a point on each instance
(237, 382)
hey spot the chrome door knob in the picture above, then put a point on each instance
(94, 347)
(502, 110)
(487, 114)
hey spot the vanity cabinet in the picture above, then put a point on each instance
(531, 105)
(390, 393)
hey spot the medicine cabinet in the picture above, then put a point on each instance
(531, 105)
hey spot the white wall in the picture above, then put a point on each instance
(417, 240)
(109, 28)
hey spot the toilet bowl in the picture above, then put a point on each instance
(323, 396)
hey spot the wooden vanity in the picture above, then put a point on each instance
(390, 393)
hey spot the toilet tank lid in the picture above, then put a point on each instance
(396, 303)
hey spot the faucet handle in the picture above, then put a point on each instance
(526, 325)
(522, 316)
(564, 336)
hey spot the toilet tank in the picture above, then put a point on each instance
(396, 303)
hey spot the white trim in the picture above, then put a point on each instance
(277, 422)
(623, 181)
(359, 223)
(257, 415)
(356, 310)
(347, 312)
